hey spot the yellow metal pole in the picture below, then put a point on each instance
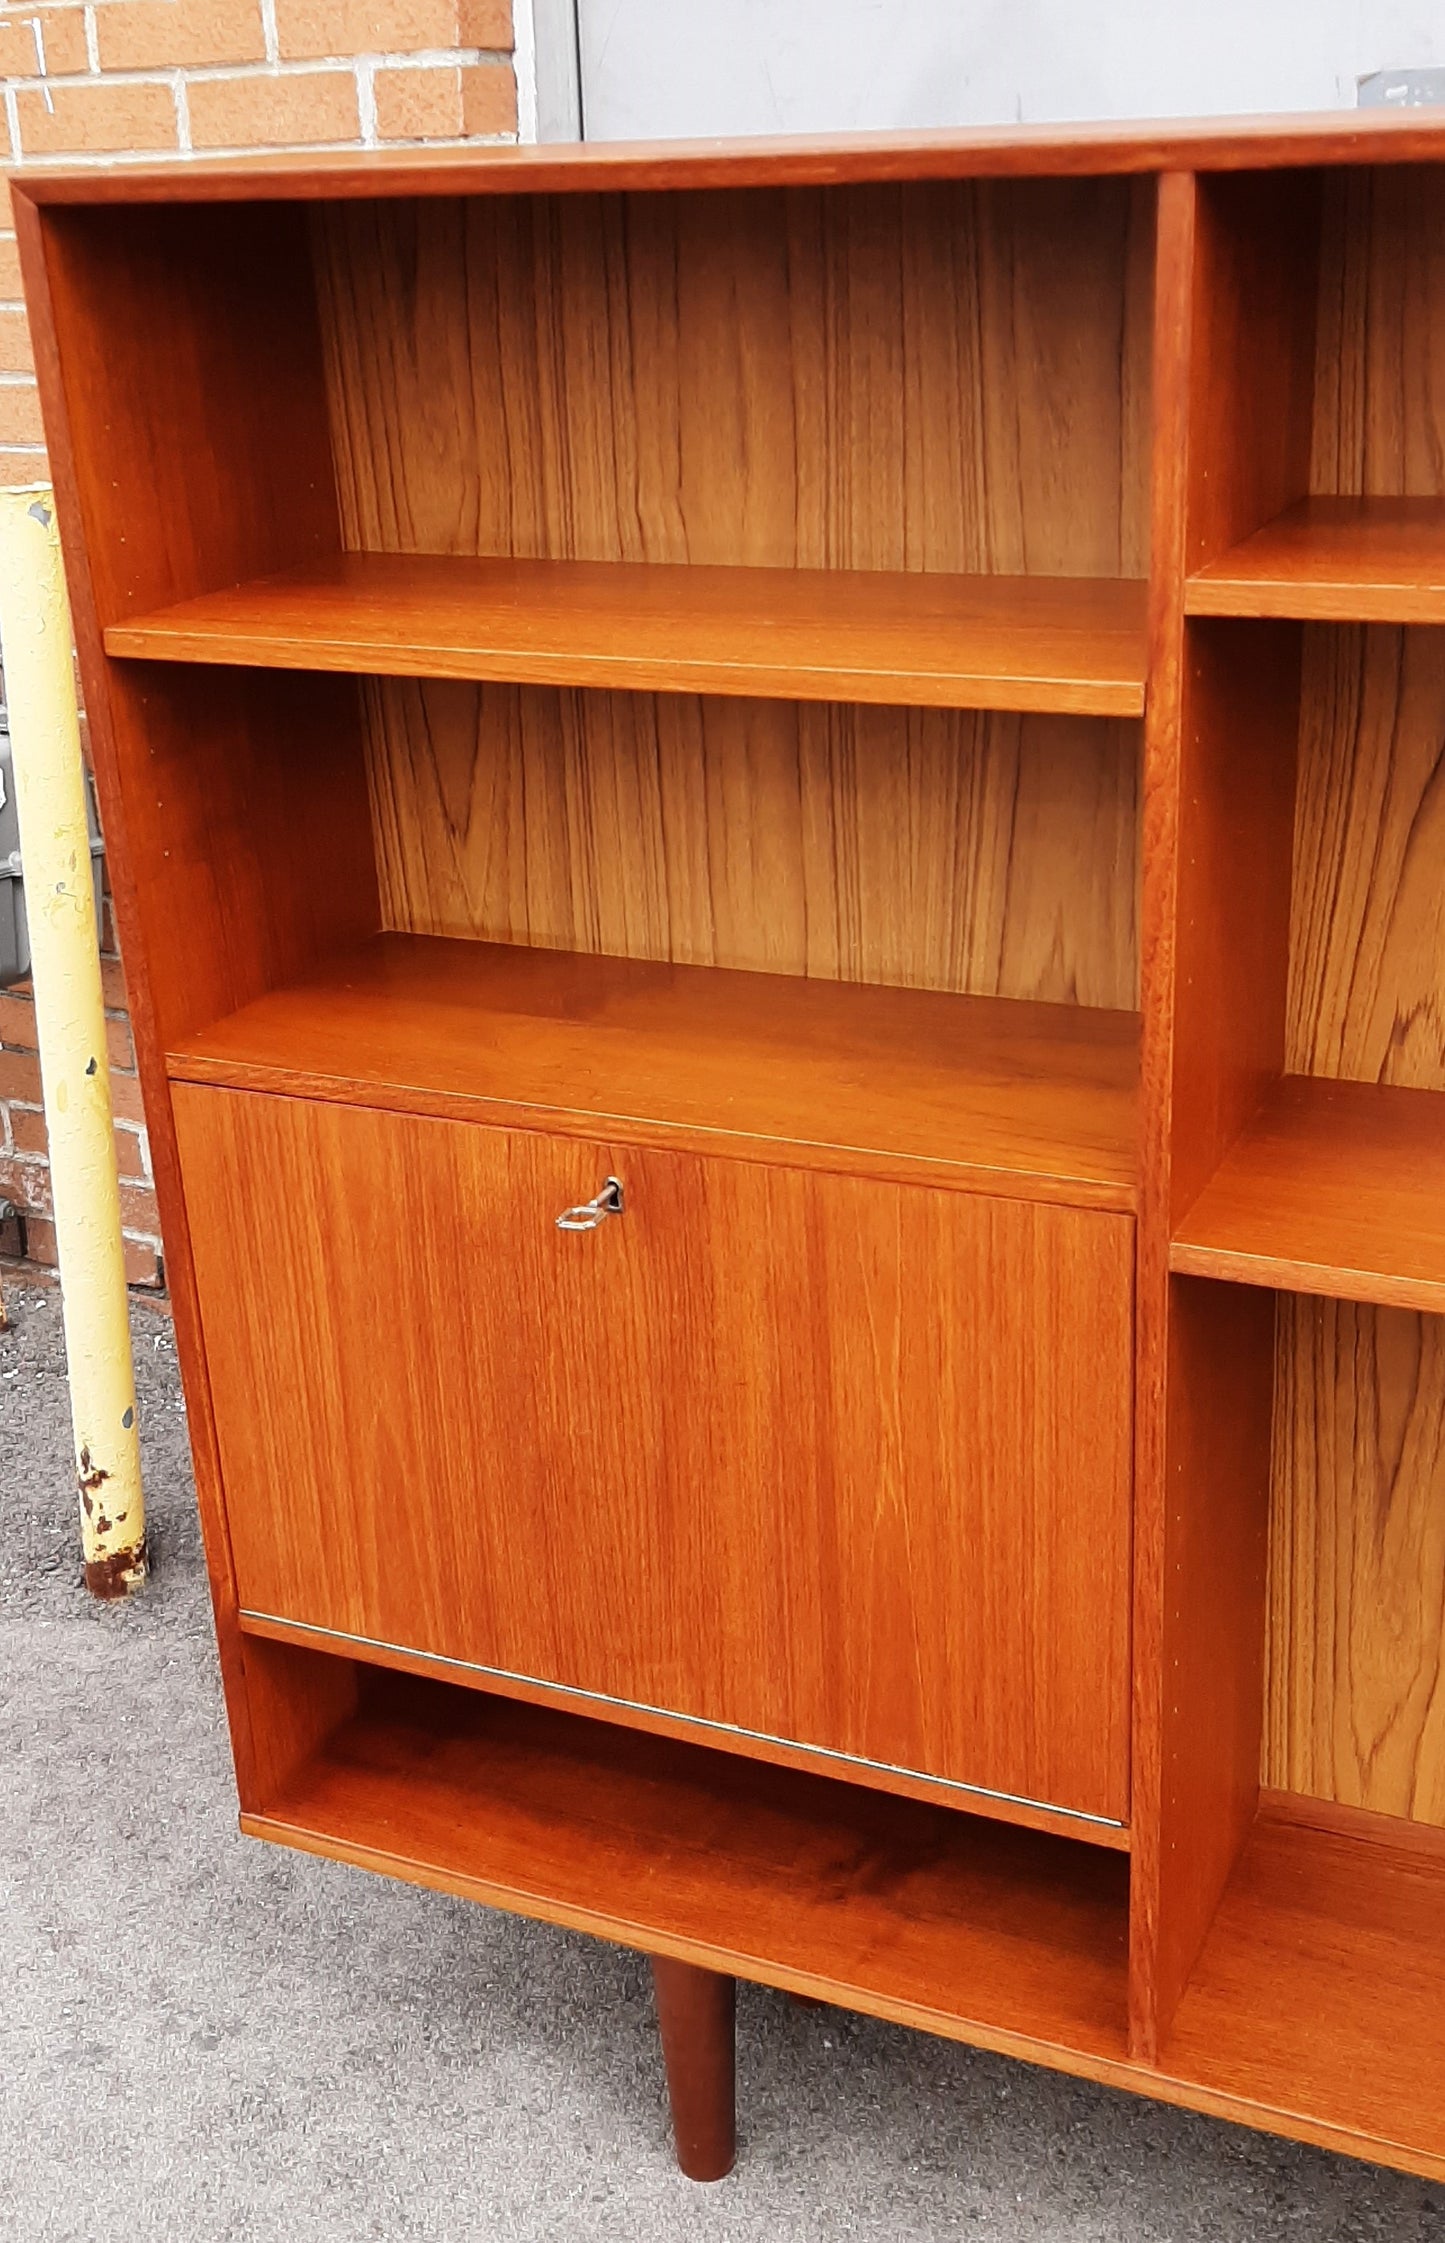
(35, 639)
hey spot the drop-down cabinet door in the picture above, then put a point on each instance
(838, 1462)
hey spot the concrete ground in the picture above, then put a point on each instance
(203, 2039)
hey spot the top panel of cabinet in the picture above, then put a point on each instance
(1012, 151)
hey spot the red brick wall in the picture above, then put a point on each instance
(106, 80)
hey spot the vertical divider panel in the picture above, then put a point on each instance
(1218, 810)
(1173, 305)
(189, 446)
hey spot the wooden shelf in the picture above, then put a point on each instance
(1034, 1100)
(1312, 2008)
(1334, 560)
(1318, 1988)
(1074, 644)
(1006, 1937)
(1334, 1188)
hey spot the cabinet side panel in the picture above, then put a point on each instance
(937, 376)
(181, 377)
(249, 850)
(932, 849)
(296, 1702)
(1356, 1667)
(180, 381)
(189, 362)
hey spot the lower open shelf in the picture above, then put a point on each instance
(1030, 1099)
(1314, 2009)
(1003, 1936)
(972, 1927)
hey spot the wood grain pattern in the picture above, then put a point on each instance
(922, 377)
(1333, 1188)
(916, 378)
(1336, 1186)
(1367, 967)
(939, 850)
(186, 409)
(1009, 642)
(1318, 1990)
(1357, 1587)
(1379, 418)
(1033, 1100)
(1231, 964)
(900, 1534)
(1359, 1824)
(1334, 560)
(919, 1913)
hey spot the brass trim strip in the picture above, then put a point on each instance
(693, 1720)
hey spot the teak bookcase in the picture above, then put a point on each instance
(882, 705)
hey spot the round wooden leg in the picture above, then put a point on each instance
(696, 2014)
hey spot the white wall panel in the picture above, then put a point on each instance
(664, 69)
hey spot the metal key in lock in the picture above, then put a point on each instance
(593, 1212)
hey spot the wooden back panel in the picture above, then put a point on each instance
(918, 377)
(933, 849)
(1367, 963)
(1367, 967)
(1356, 1637)
(1379, 407)
(1356, 1660)
(929, 376)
